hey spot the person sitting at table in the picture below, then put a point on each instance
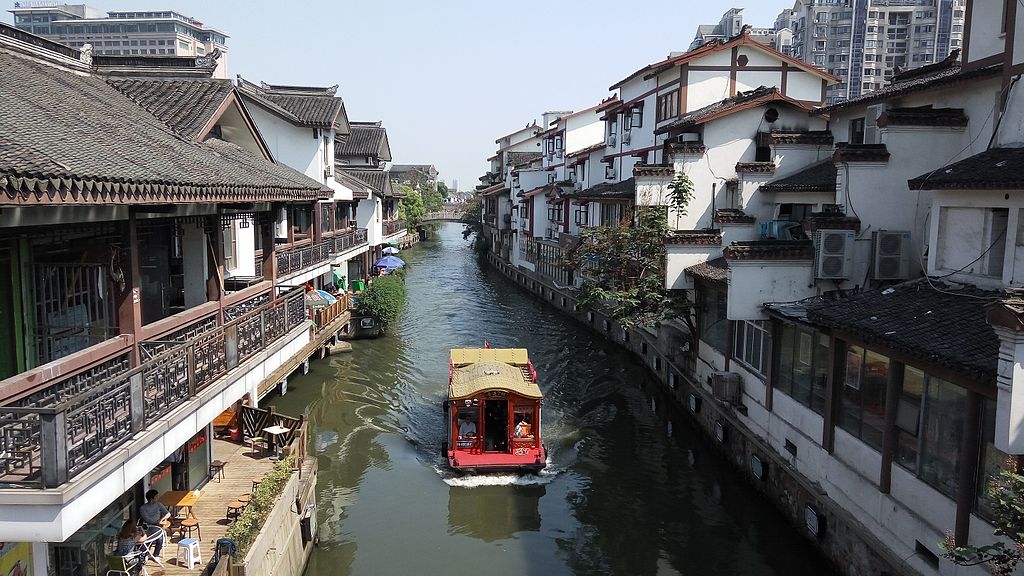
(129, 538)
(522, 429)
(153, 515)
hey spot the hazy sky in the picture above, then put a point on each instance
(448, 77)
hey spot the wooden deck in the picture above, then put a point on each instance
(239, 472)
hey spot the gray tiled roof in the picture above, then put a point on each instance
(186, 105)
(714, 271)
(625, 189)
(517, 158)
(379, 180)
(66, 137)
(737, 102)
(933, 322)
(305, 105)
(364, 139)
(819, 177)
(993, 169)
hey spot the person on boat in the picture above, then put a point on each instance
(466, 427)
(522, 429)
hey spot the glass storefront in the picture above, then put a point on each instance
(85, 552)
(187, 468)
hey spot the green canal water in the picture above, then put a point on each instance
(630, 487)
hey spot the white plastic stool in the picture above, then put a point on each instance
(188, 552)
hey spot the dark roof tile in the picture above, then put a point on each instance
(714, 271)
(993, 169)
(819, 177)
(364, 139)
(945, 325)
(186, 105)
(623, 190)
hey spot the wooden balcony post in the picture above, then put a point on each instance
(54, 448)
(128, 296)
(215, 280)
(138, 404)
(316, 222)
(269, 264)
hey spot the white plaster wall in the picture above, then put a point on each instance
(705, 183)
(40, 516)
(738, 232)
(756, 57)
(715, 58)
(985, 39)
(245, 249)
(1011, 127)
(680, 257)
(291, 145)
(792, 159)
(959, 233)
(752, 283)
(705, 87)
(750, 79)
(802, 85)
(368, 215)
(583, 131)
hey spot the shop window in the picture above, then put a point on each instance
(752, 344)
(711, 317)
(862, 403)
(802, 372)
(991, 461)
(930, 426)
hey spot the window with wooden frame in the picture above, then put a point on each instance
(582, 216)
(637, 115)
(668, 105)
(230, 246)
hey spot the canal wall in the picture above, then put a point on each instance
(852, 548)
(282, 547)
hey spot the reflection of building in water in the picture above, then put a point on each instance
(494, 512)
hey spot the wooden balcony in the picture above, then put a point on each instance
(393, 227)
(74, 415)
(300, 258)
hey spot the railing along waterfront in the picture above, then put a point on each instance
(393, 227)
(50, 445)
(296, 259)
(325, 316)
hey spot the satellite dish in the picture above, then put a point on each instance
(771, 115)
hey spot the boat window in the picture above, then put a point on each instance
(467, 421)
(524, 419)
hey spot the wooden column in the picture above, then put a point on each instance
(890, 433)
(828, 432)
(215, 279)
(266, 229)
(317, 223)
(129, 299)
(970, 448)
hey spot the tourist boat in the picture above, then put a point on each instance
(493, 412)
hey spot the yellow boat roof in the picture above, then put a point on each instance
(475, 370)
(514, 356)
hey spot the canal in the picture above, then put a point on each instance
(630, 487)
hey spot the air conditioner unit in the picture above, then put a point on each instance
(726, 386)
(625, 137)
(833, 254)
(891, 255)
(610, 141)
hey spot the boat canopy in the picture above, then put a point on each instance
(513, 356)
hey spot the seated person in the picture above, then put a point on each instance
(467, 428)
(522, 429)
(129, 539)
(154, 515)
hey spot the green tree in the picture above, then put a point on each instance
(433, 200)
(626, 264)
(443, 189)
(411, 208)
(384, 299)
(471, 217)
(1006, 495)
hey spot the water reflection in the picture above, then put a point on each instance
(494, 512)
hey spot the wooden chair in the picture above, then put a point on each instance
(190, 524)
(234, 510)
(217, 470)
(254, 440)
(128, 565)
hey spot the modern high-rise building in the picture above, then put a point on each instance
(865, 41)
(122, 33)
(731, 24)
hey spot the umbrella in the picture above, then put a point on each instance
(391, 250)
(318, 298)
(389, 262)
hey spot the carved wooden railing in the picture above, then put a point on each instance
(393, 227)
(325, 316)
(48, 445)
(296, 259)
